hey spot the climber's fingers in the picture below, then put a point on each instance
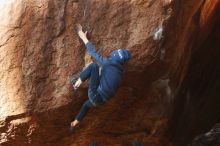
(78, 27)
(77, 84)
(74, 87)
(86, 33)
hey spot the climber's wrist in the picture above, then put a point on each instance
(85, 40)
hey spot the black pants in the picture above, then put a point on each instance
(92, 72)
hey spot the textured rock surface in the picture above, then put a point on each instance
(211, 137)
(39, 50)
(197, 105)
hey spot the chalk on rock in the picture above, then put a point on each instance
(158, 33)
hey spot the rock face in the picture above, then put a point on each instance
(197, 105)
(211, 137)
(40, 50)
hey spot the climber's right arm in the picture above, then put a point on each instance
(82, 35)
(90, 47)
(92, 51)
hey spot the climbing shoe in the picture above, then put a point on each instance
(73, 129)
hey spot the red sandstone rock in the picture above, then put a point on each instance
(39, 50)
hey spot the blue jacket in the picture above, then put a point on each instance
(111, 73)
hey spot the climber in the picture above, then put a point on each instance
(103, 84)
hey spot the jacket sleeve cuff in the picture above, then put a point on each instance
(88, 44)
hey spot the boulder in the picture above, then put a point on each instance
(40, 50)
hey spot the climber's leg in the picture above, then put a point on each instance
(91, 71)
(94, 77)
(84, 109)
(93, 95)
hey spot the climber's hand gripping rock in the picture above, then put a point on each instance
(82, 34)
